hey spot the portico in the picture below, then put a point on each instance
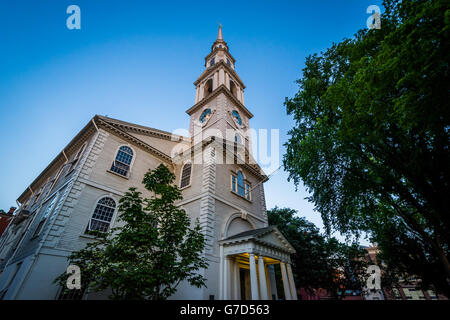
(247, 265)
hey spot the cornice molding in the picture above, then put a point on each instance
(221, 63)
(219, 49)
(118, 131)
(220, 89)
(60, 159)
(126, 126)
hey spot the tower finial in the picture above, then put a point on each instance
(219, 34)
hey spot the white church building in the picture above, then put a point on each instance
(221, 186)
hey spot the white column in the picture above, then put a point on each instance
(227, 80)
(227, 278)
(269, 284)
(287, 290)
(273, 281)
(196, 94)
(221, 275)
(201, 92)
(291, 282)
(262, 279)
(253, 278)
(216, 80)
(237, 282)
(221, 77)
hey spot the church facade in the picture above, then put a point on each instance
(222, 187)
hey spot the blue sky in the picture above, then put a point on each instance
(137, 61)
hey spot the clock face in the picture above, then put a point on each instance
(237, 117)
(206, 114)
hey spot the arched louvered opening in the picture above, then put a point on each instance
(233, 88)
(208, 88)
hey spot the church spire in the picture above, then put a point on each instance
(219, 43)
(219, 34)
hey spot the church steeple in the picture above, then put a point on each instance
(219, 99)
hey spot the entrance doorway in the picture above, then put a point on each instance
(244, 279)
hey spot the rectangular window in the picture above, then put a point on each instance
(233, 183)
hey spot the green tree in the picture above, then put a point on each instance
(151, 253)
(371, 136)
(319, 261)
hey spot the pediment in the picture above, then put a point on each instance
(268, 236)
(275, 238)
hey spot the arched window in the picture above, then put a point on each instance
(103, 214)
(213, 62)
(186, 175)
(121, 164)
(240, 184)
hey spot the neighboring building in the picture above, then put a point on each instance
(5, 219)
(80, 190)
(323, 294)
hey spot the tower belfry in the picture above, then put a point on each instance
(219, 98)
